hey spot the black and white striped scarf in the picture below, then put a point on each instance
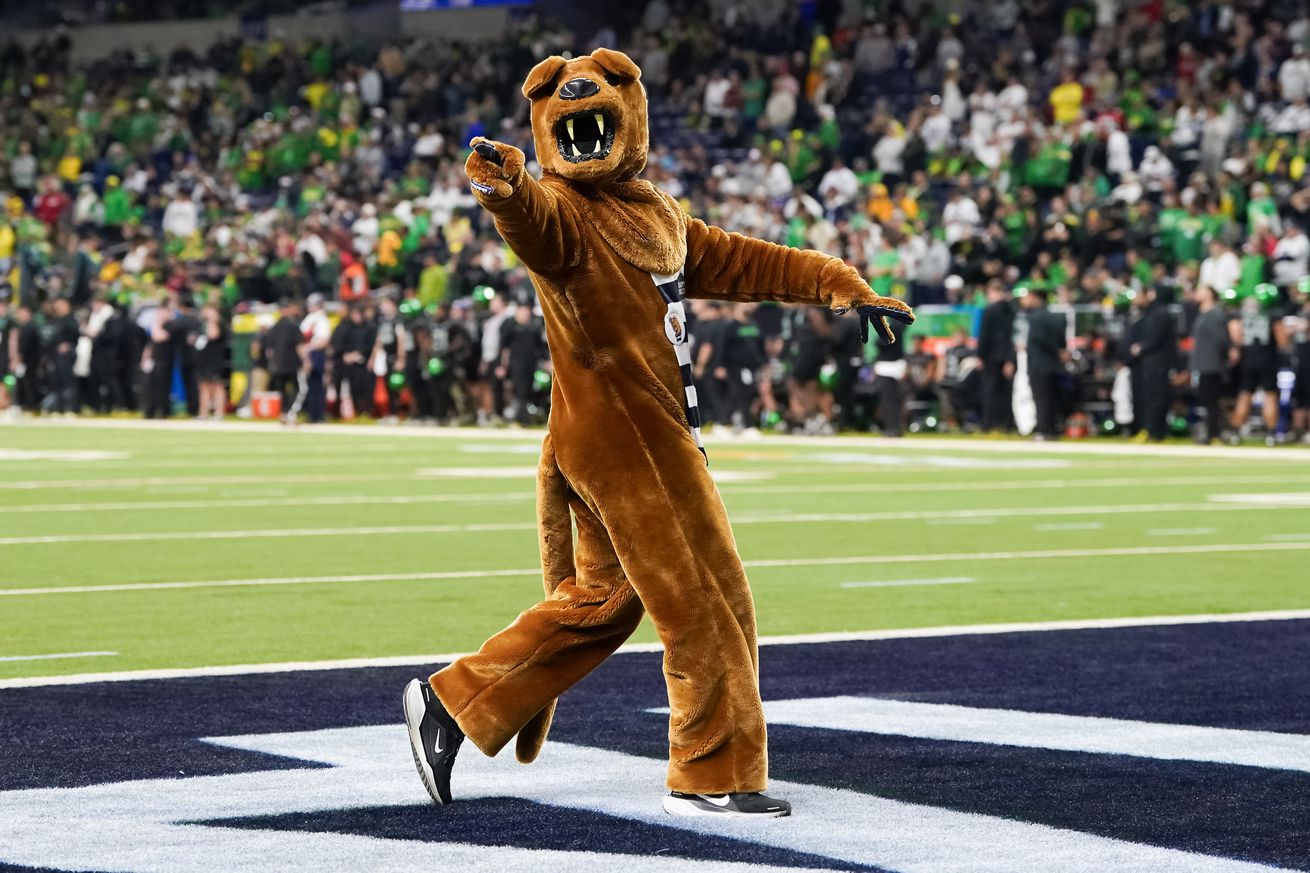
(675, 328)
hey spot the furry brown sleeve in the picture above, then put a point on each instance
(729, 266)
(528, 215)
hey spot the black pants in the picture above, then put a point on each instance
(521, 384)
(123, 385)
(360, 381)
(848, 375)
(104, 392)
(159, 404)
(713, 397)
(28, 389)
(1156, 399)
(316, 389)
(316, 397)
(1208, 388)
(997, 399)
(1139, 397)
(63, 383)
(891, 404)
(741, 398)
(1046, 393)
(191, 390)
(287, 385)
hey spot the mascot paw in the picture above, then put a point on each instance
(493, 167)
(877, 311)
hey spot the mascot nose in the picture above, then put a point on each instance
(576, 89)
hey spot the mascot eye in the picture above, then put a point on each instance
(614, 80)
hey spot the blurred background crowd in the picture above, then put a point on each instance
(1098, 208)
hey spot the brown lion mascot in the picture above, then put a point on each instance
(612, 257)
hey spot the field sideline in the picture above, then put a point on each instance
(126, 546)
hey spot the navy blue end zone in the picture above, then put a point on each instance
(534, 826)
(1248, 676)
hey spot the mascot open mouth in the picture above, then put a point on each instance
(585, 136)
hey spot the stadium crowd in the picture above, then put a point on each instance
(1112, 194)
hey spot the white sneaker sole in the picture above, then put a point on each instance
(684, 808)
(414, 710)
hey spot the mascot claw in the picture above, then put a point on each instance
(489, 153)
(878, 313)
(493, 168)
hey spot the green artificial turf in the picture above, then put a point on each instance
(224, 506)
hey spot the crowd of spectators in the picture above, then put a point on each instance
(1116, 187)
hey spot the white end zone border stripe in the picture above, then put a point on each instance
(58, 656)
(1046, 730)
(779, 640)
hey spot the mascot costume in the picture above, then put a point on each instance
(612, 257)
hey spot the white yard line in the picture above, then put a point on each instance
(1289, 454)
(872, 489)
(780, 640)
(1070, 525)
(166, 536)
(1126, 551)
(760, 563)
(172, 481)
(59, 656)
(278, 580)
(1179, 531)
(942, 517)
(267, 502)
(897, 583)
(1012, 485)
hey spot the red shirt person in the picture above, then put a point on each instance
(52, 202)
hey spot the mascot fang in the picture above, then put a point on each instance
(612, 258)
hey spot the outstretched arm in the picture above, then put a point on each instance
(528, 215)
(729, 266)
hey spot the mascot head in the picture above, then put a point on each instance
(589, 117)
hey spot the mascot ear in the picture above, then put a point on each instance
(617, 64)
(542, 77)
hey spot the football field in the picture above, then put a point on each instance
(183, 547)
(977, 656)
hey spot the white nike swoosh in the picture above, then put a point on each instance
(718, 801)
(437, 746)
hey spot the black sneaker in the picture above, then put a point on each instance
(434, 737)
(742, 805)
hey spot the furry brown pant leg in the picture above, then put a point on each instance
(717, 735)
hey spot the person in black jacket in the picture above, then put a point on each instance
(352, 343)
(211, 345)
(27, 359)
(7, 334)
(285, 361)
(1212, 352)
(1155, 353)
(185, 328)
(741, 354)
(889, 371)
(996, 353)
(522, 349)
(60, 345)
(163, 357)
(1046, 355)
(103, 326)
